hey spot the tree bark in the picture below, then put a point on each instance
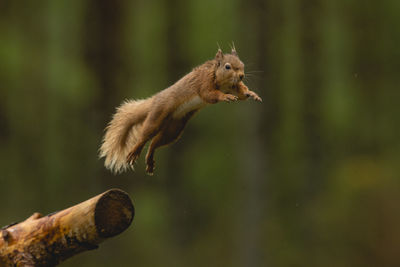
(46, 241)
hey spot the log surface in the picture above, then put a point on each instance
(48, 240)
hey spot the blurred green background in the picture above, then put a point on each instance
(310, 177)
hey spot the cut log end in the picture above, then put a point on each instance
(113, 213)
(48, 240)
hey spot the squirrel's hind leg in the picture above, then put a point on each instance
(155, 142)
(169, 134)
(151, 127)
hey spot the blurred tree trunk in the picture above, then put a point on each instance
(256, 120)
(312, 83)
(104, 53)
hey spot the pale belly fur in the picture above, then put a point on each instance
(194, 103)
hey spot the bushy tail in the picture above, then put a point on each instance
(122, 133)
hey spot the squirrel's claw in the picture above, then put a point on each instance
(149, 172)
(150, 168)
(131, 158)
(257, 98)
(254, 96)
(230, 98)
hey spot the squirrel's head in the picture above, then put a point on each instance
(230, 70)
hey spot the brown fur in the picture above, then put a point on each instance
(162, 117)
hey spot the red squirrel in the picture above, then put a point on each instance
(162, 117)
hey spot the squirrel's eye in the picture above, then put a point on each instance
(227, 66)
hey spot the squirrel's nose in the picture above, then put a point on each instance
(241, 76)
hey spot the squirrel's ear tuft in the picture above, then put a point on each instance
(219, 56)
(234, 52)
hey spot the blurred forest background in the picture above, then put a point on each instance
(310, 177)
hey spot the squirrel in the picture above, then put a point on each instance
(162, 117)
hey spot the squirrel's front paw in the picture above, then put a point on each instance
(254, 96)
(229, 98)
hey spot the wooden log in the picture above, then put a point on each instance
(48, 240)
